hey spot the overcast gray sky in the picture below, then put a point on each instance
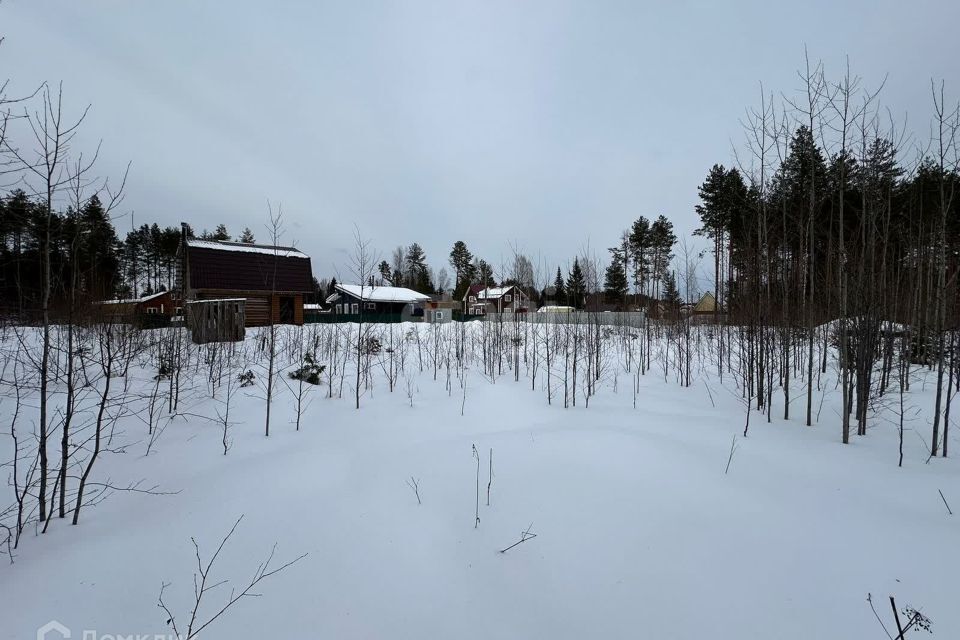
(542, 125)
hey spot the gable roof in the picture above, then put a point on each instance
(707, 303)
(235, 266)
(135, 300)
(378, 294)
(491, 293)
(247, 247)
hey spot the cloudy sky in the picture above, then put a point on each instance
(546, 126)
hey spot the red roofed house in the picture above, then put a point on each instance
(479, 300)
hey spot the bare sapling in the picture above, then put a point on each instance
(275, 229)
(203, 584)
(914, 620)
(411, 388)
(490, 476)
(733, 448)
(945, 503)
(476, 455)
(524, 536)
(231, 381)
(49, 167)
(115, 352)
(414, 485)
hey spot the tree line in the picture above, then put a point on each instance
(83, 247)
(836, 226)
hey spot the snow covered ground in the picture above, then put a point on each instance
(639, 532)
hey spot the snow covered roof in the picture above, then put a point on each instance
(134, 300)
(379, 294)
(243, 247)
(492, 293)
(308, 306)
(216, 300)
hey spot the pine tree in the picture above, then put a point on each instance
(662, 240)
(639, 242)
(246, 236)
(484, 273)
(386, 276)
(462, 262)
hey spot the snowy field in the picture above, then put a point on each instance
(640, 533)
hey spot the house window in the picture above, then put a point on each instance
(356, 308)
(473, 298)
(339, 308)
(151, 310)
(178, 311)
(478, 310)
(370, 306)
(508, 298)
(161, 307)
(438, 315)
(508, 310)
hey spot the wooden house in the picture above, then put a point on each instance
(272, 279)
(148, 311)
(350, 301)
(479, 300)
(706, 310)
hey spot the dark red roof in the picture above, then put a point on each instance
(243, 267)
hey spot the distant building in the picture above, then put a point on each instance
(440, 311)
(148, 311)
(314, 312)
(706, 309)
(272, 279)
(479, 300)
(706, 304)
(350, 301)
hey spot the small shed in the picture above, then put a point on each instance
(216, 320)
(440, 311)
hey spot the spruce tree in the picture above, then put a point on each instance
(671, 294)
(220, 233)
(615, 283)
(576, 285)
(98, 250)
(560, 291)
(418, 274)
(246, 236)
